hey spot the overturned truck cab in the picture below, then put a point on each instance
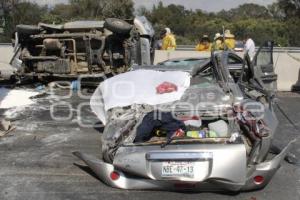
(82, 47)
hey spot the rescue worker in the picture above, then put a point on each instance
(218, 42)
(229, 39)
(168, 41)
(204, 44)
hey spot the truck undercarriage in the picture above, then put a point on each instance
(82, 47)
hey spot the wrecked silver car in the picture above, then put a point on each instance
(83, 47)
(192, 127)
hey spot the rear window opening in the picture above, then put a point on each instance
(184, 129)
(159, 129)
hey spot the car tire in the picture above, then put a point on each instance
(27, 29)
(117, 26)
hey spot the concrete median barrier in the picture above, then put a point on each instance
(6, 54)
(287, 66)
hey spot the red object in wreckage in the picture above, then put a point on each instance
(166, 87)
(178, 133)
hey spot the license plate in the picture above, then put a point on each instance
(178, 169)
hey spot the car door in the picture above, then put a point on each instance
(263, 67)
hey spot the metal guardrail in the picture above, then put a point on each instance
(276, 49)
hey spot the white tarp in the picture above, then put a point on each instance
(137, 87)
(15, 98)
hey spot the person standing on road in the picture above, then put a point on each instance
(229, 39)
(204, 44)
(168, 41)
(249, 47)
(218, 42)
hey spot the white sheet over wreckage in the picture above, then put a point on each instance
(137, 87)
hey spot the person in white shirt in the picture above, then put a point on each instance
(249, 47)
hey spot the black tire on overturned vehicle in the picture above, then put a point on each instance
(27, 29)
(117, 25)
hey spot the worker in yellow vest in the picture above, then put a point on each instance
(229, 39)
(204, 44)
(218, 43)
(168, 41)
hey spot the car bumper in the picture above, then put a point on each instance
(126, 181)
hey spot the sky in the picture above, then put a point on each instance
(207, 5)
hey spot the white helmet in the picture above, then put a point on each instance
(168, 30)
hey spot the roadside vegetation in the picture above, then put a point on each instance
(279, 21)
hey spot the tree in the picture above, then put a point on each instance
(245, 11)
(279, 21)
(293, 28)
(27, 13)
(142, 11)
(275, 11)
(291, 8)
(6, 6)
(20, 12)
(61, 13)
(258, 21)
(90, 9)
(173, 16)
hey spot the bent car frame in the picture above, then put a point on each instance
(230, 151)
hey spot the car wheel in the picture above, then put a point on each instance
(27, 29)
(117, 26)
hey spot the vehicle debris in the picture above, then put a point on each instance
(48, 52)
(163, 122)
(234, 135)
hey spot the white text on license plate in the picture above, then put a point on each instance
(178, 169)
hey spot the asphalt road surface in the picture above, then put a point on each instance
(36, 160)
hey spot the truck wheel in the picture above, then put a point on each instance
(117, 26)
(27, 29)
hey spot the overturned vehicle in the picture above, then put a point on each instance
(82, 47)
(190, 127)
